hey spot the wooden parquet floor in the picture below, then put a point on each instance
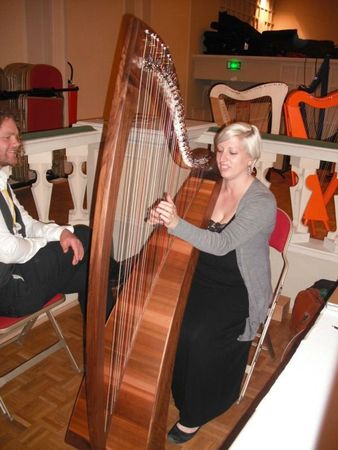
(42, 398)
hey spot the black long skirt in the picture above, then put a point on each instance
(210, 360)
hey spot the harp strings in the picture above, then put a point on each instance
(149, 171)
(321, 123)
(257, 111)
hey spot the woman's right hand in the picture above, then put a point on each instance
(164, 213)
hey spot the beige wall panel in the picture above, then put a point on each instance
(13, 31)
(312, 18)
(202, 14)
(92, 29)
(171, 20)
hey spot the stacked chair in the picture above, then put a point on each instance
(36, 99)
(43, 111)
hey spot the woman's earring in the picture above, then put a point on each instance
(249, 169)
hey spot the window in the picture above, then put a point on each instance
(258, 13)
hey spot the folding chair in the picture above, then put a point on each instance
(14, 329)
(279, 240)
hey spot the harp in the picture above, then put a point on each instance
(310, 117)
(259, 105)
(124, 397)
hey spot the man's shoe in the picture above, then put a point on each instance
(178, 436)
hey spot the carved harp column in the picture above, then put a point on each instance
(123, 401)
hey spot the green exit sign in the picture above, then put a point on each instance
(234, 64)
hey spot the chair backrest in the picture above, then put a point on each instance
(282, 232)
(260, 105)
(279, 240)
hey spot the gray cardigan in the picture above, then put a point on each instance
(249, 235)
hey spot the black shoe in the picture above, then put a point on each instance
(178, 436)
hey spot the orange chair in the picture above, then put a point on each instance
(279, 241)
(14, 329)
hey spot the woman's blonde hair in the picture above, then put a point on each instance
(249, 135)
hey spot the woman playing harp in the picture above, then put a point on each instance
(124, 398)
(231, 288)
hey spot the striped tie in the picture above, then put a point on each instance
(10, 203)
(13, 214)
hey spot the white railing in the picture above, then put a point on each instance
(305, 157)
(82, 147)
(82, 143)
(310, 259)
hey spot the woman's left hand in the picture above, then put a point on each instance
(164, 213)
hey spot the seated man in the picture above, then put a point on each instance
(37, 260)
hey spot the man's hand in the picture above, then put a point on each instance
(69, 240)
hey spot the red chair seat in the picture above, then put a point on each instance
(6, 322)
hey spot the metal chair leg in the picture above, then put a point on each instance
(62, 341)
(5, 410)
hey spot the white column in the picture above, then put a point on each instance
(300, 195)
(93, 153)
(331, 240)
(77, 180)
(265, 162)
(41, 189)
